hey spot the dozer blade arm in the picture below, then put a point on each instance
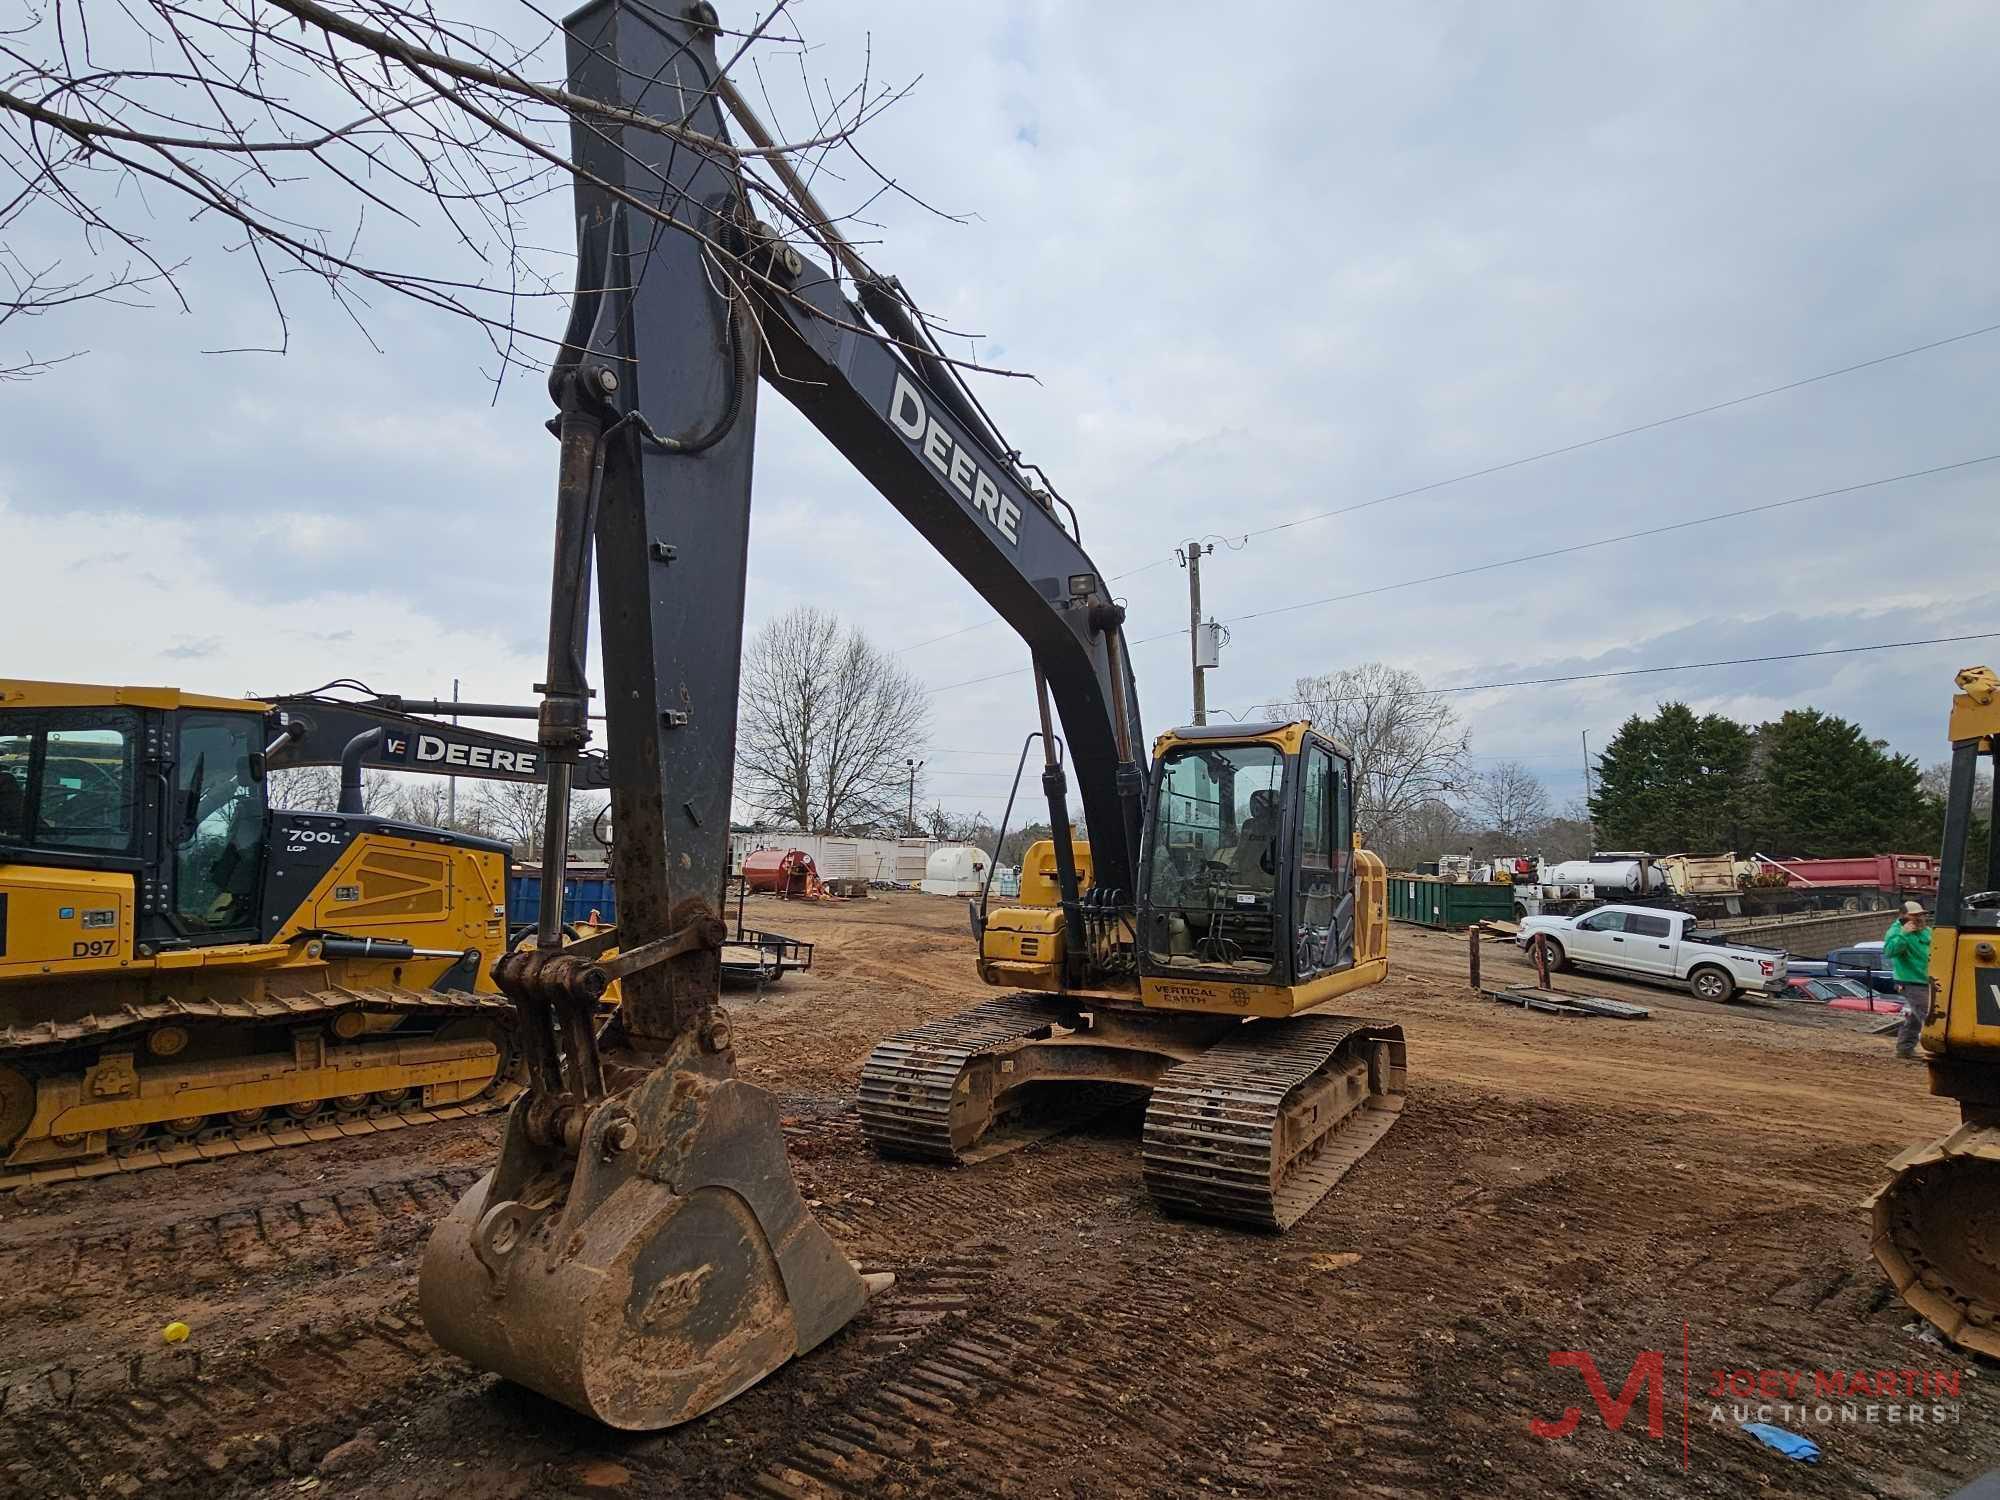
(641, 1252)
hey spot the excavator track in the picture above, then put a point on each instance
(1937, 1233)
(72, 1049)
(910, 1083)
(1259, 1128)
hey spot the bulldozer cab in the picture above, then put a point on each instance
(1248, 868)
(164, 787)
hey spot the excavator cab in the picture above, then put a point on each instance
(1249, 865)
(128, 816)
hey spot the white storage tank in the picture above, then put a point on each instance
(1605, 874)
(955, 870)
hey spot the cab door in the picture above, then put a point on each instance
(1598, 938)
(1649, 943)
(1323, 879)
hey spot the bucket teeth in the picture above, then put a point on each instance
(667, 1277)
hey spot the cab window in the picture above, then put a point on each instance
(1648, 926)
(1212, 878)
(1603, 921)
(219, 827)
(68, 779)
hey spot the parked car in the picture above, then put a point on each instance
(1864, 963)
(1665, 947)
(1822, 991)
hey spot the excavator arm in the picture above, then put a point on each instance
(391, 733)
(641, 1252)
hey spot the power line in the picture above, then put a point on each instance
(1633, 673)
(1508, 562)
(1574, 547)
(1686, 666)
(1625, 432)
(1532, 458)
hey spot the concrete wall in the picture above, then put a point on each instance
(1812, 937)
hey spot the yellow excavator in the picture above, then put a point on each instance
(1204, 990)
(187, 972)
(1937, 1223)
(640, 1251)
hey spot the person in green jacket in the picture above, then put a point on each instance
(1907, 946)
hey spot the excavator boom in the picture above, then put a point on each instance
(640, 1251)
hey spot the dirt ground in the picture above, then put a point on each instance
(1555, 1184)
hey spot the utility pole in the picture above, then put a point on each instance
(1191, 560)
(451, 782)
(910, 813)
(1586, 765)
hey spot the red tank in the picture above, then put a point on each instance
(785, 872)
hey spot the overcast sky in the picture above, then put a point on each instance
(1265, 263)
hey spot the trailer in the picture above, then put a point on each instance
(749, 955)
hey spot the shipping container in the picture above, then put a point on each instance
(1429, 902)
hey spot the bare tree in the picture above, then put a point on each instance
(423, 800)
(515, 811)
(958, 828)
(317, 789)
(311, 138)
(1509, 800)
(1568, 835)
(1409, 748)
(589, 825)
(826, 723)
(1422, 833)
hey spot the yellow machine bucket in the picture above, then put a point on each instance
(663, 1267)
(1937, 1234)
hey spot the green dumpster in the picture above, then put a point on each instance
(1429, 902)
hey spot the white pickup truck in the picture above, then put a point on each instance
(1643, 942)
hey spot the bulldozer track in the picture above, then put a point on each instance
(219, 1136)
(129, 1019)
(909, 1081)
(1213, 1126)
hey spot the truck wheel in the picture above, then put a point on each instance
(1558, 960)
(1520, 912)
(1711, 983)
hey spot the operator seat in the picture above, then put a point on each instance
(1255, 859)
(13, 807)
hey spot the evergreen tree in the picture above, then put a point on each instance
(1824, 789)
(1675, 782)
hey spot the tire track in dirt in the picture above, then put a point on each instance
(123, 1427)
(243, 1240)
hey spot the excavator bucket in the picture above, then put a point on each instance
(1937, 1234)
(673, 1266)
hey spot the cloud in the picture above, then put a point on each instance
(1342, 255)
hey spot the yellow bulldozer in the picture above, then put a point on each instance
(186, 972)
(1937, 1223)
